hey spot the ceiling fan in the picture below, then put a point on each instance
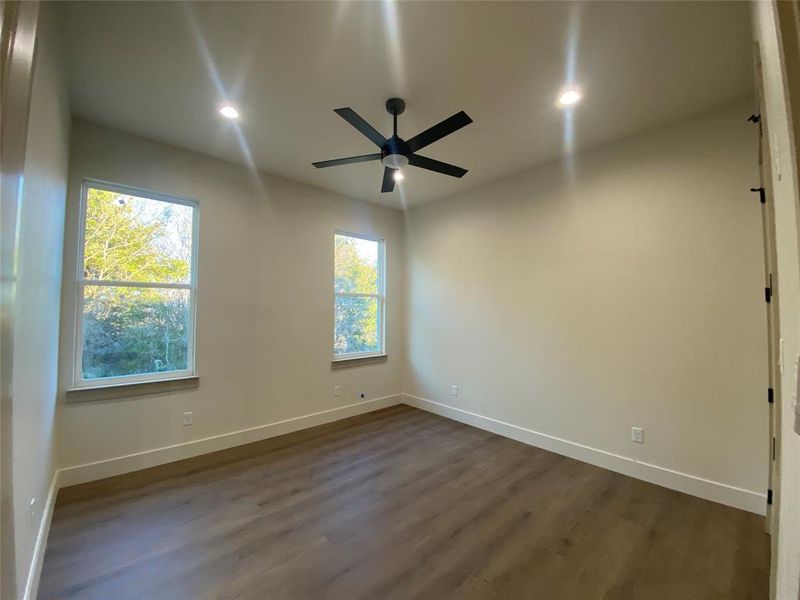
(396, 152)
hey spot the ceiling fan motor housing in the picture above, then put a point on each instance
(394, 153)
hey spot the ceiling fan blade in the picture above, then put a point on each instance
(321, 164)
(423, 162)
(438, 131)
(388, 180)
(352, 117)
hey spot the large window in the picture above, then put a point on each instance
(136, 286)
(359, 287)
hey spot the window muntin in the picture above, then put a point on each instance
(136, 286)
(359, 279)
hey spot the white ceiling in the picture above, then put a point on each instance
(161, 69)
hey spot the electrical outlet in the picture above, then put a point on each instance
(337, 391)
(454, 389)
(187, 418)
(637, 435)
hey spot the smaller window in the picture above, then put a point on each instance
(136, 286)
(359, 282)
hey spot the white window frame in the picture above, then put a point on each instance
(380, 295)
(82, 282)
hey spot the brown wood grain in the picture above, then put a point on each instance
(396, 504)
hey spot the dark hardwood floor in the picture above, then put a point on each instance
(396, 504)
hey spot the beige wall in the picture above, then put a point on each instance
(573, 302)
(784, 187)
(264, 303)
(627, 290)
(41, 229)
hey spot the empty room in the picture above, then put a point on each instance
(395, 300)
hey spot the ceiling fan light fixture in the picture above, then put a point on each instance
(398, 176)
(395, 161)
(229, 111)
(569, 97)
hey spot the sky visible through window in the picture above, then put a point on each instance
(367, 250)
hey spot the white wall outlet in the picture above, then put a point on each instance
(454, 389)
(337, 391)
(188, 418)
(637, 435)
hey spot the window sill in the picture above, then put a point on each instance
(126, 390)
(345, 363)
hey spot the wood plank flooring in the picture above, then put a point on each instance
(396, 504)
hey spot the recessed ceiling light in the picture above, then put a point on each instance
(398, 176)
(229, 111)
(569, 97)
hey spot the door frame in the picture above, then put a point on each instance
(771, 287)
(18, 27)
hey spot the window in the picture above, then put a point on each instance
(359, 288)
(136, 286)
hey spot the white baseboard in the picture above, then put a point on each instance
(159, 456)
(683, 482)
(35, 569)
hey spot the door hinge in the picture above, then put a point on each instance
(762, 195)
(770, 395)
(769, 496)
(768, 294)
(754, 118)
